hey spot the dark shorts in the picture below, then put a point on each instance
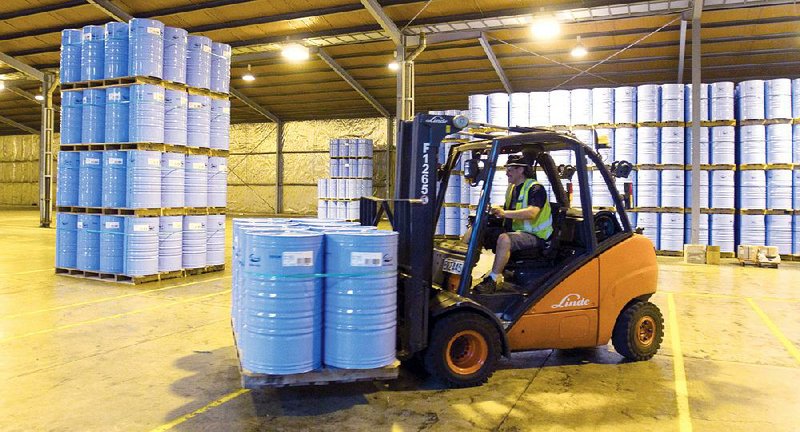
(519, 240)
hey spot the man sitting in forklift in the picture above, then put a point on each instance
(526, 220)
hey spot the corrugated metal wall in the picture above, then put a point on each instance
(252, 179)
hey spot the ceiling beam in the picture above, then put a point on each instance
(255, 106)
(376, 10)
(22, 67)
(353, 83)
(681, 50)
(20, 92)
(111, 10)
(40, 9)
(10, 122)
(495, 64)
(697, 9)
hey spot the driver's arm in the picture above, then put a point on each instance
(527, 213)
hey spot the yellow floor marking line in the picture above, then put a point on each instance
(105, 299)
(731, 296)
(775, 330)
(228, 397)
(106, 318)
(681, 389)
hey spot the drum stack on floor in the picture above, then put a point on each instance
(142, 166)
(350, 179)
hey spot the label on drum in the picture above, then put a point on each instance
(177, 225)
(199, 165)
(195, 226)
(297, 259)
(87, 36)
(175, 163)
(114, 96)
(183, 101)
(207, 48)
(158, 97)
(365, 259)
(112, 225)
(141, 227)
(154, 162)
(154, 31)
(226, 110)
(91, 161)
(223, 168)
(80, 224)
(195, 105)
(114, 161)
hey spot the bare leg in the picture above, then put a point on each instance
(502, 254)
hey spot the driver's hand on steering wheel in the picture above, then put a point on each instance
(498, 211)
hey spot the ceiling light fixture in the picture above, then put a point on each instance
(545, 28)
(39, 97)
(394, 66)
(249, 75)
(2, 85)
(295, 52)
(579, 50)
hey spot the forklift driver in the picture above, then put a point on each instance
(526, 220)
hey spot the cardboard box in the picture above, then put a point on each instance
(694, 254)
(712, 255)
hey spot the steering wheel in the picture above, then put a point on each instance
(605, 225)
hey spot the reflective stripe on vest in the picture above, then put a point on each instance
(542, 225)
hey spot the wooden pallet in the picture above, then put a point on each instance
(326, 375)
(662, 124)
(714, 167)
(660, 167)
(759, 122)
(202, 270)
(130, 80)
(118, 278)
(669, 253)
(149, 212)
(713, 123)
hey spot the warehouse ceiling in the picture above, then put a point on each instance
(741, 40)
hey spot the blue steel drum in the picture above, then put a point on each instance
(281, 329)
(176, 104)
(146, 47)
(220, 67)
(68, 177)
(170, 243)
(115, 176)
(198, 121)
(220, 124)
(71, 117)
(175, 41)
(146, 113)
(93, 129)
(66, 240)
(172, 179)
(92, 56)
(360, 299)
(70, 66)
(194, 241)
(144, 179)
(141, 246)
(88, 242)
(116, 50)
(217, 181)
(117, 114)
(198, 62)
(196, 181)
(90, 183)
(215, 245)
(112, 244)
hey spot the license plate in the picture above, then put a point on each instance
(453, 266)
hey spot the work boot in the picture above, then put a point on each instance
(487, 286)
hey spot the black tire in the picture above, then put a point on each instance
(639, 331)
(463, 351)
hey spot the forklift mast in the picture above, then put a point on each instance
(415, 213)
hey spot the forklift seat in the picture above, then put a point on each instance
(549, 250)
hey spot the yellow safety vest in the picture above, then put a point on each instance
(542, 226)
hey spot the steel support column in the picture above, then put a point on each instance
(390, 135)
(46, 152)
(279, 168)
(681, 51)
(696, 85)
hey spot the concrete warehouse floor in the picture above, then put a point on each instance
(92, 356)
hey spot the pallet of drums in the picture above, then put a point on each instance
(314, 301)
(351, 174)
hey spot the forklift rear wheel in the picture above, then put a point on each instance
(639, 331)
(463, 351)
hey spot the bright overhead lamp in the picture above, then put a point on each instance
(2, 85)
(579, 50)
(394, 66)
(39, 97)
(545, 28)
(249, 75)
(295, 52)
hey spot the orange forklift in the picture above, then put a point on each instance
(589, 284)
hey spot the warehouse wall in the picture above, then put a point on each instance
(19, 170)
(251, 176)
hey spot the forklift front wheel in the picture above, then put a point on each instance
(639, 331)
(463, 351)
